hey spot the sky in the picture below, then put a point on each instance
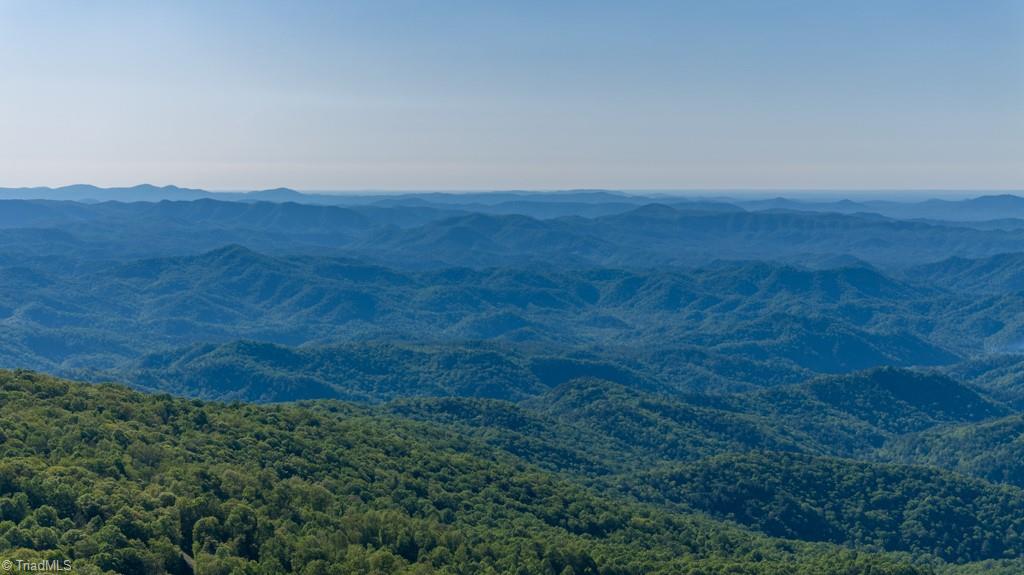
(406, 95)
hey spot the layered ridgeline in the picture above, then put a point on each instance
(123, 482)
(514, 383)
(861, 415)
(613, 230)
(740, 324)
(1004, 208)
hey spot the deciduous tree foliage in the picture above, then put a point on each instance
(128, 483)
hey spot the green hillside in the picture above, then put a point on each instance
(130, 483)
(991, 449)
(897, 508)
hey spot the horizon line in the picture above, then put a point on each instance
(540, 190)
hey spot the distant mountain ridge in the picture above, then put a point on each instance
(90, 193)
(822, 320)
(994, 274)
(641, 235)
(152, 193)
(983, 207)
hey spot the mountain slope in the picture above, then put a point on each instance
(894, 507)
(995, 274)
(128, 483)
(251, 371)
(660, 427)
(895, 400)
(1001, 375)
(853, 415)
(772, 322)
(993, 450)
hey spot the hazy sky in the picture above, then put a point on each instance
(513, 94)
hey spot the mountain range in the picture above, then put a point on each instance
(965, 207)
(587, 382)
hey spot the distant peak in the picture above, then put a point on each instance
(151, 188)
(998, 199)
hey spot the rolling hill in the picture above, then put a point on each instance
(126, 482)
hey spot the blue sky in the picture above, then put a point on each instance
(498, 95)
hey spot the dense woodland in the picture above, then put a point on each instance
(130, 483)
(126, 482)
(579, 383)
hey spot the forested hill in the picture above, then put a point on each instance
(131, 483)
(627, 231)
(721, 320)
(128, 483)
(969, 210)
